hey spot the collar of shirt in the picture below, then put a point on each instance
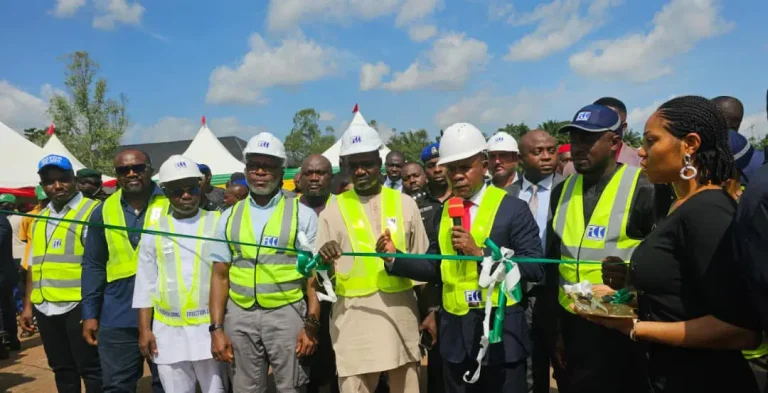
(478, 197)
(545, 183)
(393, 184)
(72, 204)
(272, 202)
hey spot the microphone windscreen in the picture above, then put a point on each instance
(455, 207)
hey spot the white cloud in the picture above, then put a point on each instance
(643, 57)
(637, 117)
(112, 12)
(755, 126)
(372, 74)
(415, 10)
(326, 116)
(498, 9)
(293, 62)
(560, 25)
(422, 32)
(67, 8)
(447, 65)
(180, 128)
(20, 110)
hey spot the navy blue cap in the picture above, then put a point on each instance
(241, 182)
(430, 152)
(56, 160)
(204, 168)
(594, 118)
(747, 159)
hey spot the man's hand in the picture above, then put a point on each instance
(615, 272)
(147, 344)
(221, 346)
(385, 245)
(306, 342)
(25, 320)
(462, 241)
(330, 251)
(90, 328)
(430, 324)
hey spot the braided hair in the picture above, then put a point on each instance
(698, 115)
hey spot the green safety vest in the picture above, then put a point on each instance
(175, 304)
(263, 275)
(123, 258)
(367, 275)
(57, 262)
(604, 235)
(461, 290)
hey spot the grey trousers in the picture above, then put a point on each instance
(262, 338)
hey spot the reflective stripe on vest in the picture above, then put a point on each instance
(367, 275)
(123, 258)
(57, 262)
(461, 290)
(175, 304)
(605, 234)
(261, 275)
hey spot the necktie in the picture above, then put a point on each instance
(466, 222)
(533, 203)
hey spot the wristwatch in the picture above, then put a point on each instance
(214, 327)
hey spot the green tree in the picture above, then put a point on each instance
(632, 138)
(410, 143)
(516, 130)
(761, 143)
(88, 122)
(306, 137)
(39, 136)
(552, 127)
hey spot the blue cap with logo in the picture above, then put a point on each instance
(55, 160)
(747, 159)
(594, 118)
(430, 152)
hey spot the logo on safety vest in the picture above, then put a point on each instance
(595, 232)
(583, 116)
(357, 139)
(269, 241)
(156, 212)
(392, 223)
(56, 243)
(473, 298)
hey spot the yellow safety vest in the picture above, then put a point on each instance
(264, 275)
(57, 262)
(123, 258)
(175, 304)
(605, 234)
(367, 275)
(461, 290)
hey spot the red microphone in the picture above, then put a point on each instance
(455, 208)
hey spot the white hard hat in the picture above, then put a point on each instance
(266, 144)
(178, 167)
(359, 138)
(502, 142)
(460, 141)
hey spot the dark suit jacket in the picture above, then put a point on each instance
(9, 272)
(459, 336)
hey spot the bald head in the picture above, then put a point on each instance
(133, 155)
(316, 175)
(531, 139)
(538, 154)
(316, 160)
(732, 109)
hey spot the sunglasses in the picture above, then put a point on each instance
(179, 192)
(125, 170)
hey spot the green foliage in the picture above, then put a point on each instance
(760, 144)
(39, 136)
(632, 138)
(306, 137)
(410, 143)
(516, 130)
(552, 127)
(88, 122)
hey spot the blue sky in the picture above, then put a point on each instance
(249, 66)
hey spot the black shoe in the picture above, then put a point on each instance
(4, 354)
(14, 345)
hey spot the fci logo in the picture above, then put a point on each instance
(181, 164)
(357, 139)
(269, 241)
(583, 116)
(264, 144)
(56, 243)
(595, 232)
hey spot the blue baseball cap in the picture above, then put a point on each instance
(747, 159)
(204, 168)
(430, 152)
(594, 118)
(56, 160)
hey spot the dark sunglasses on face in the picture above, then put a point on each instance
(124, 170)
(179, 192)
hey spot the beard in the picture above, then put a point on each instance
(186, 210)
(263, 190)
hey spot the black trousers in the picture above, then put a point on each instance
(599, 359)
(8, 316)
(542, 336)
(69, 356)
(503, 378)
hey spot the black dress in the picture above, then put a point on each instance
(685, 270)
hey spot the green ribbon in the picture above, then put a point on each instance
(622, 296)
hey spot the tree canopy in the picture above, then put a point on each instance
(306, 137)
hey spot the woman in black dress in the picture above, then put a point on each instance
(693, 315)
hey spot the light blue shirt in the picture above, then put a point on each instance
(220, 252)
(543, 193)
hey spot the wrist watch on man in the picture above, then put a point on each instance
(215, 326)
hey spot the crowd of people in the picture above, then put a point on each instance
(206, 284)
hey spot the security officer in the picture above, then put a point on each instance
(437, 185)
(267, 323)
(603, 211)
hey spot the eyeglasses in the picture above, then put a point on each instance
(124, 170)
(179, 192)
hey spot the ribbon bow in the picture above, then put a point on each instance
(306, 263)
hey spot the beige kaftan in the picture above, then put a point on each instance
(378, 332)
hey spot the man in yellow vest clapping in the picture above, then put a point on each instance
(267, 323)
(173, 285)
(54, 279)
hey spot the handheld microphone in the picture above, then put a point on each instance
(456, 210)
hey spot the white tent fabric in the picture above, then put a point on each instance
(207, 149)
(54, 146)
(333, 153)
(19, 157)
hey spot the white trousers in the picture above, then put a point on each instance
(182, 377)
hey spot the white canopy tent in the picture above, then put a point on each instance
(206, 149)
(20, 157)
(54, 146)
(333, 153)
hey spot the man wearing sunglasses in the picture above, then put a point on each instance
(172, 286)
(268, 322)
(109, 268)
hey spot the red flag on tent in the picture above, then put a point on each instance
(203, 119)
(354, 110)
(51, 128)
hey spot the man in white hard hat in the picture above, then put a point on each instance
(375, 325)
(489, 212)
(503, 156)
(267, 323)
(172, 286)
